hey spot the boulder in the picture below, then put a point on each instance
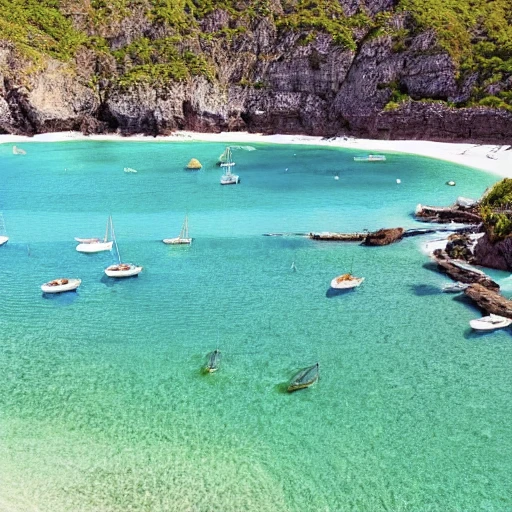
(384, 236)
(489, 300)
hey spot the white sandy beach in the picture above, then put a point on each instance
(496, 159)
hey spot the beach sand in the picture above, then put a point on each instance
(496, 159)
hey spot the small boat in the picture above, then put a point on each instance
(304, 378)
(91, 245)
(18, 151)
(370, 158)
(182, 238)
(451, 183)
(213, 362)
(490, 323)
(61, 285)
(120, 269)
(228, 178)
(346, 281)
(3, 234)
(129, 170)
(457, 287)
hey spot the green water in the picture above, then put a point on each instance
(103, 405)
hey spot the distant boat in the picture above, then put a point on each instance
(90, 245)
(213, 362)
(228, 178)
(3, 232)
(370, 158)
(194, 164)
(18, 151)
(457, 287)
(490, 323)
(304, 378)
(346, 281)
(61, 285)
(129, 169)
(182, 238)
(121, 269)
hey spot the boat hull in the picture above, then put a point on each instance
(3, 240)
(123, 270)
(346, 284)
(94, 247)
(61, 285)
(177, 241)
(304, 378)
(233, 180)
(490, 323)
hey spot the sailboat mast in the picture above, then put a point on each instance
(115, 241)
(109, 223)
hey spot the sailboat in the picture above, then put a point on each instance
(3, 235)
(182, 238)
(228, 178)
(18, 151)
(91, 245)
(121, 269)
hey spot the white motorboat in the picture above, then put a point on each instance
(457, 287)
(61, 285)
(129, 170)
(346, 281)
(370, 158)
(182, 238)
(3, 240)
(91, 245)
(490, 323)
(120, 269)
(228, 178)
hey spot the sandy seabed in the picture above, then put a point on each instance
(496, 159)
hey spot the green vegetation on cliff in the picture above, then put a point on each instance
(496, 210)
(173, 46)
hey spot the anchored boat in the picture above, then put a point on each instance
(90, 245)
(61, 285)
(182, 238)
(121, 269)
(346, 281)
(228, 178)
(490, 323)
(304, 378)
(370, 158)
(213, 362)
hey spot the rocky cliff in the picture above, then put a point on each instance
(264, 78)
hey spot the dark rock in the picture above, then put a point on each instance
(384, 236)
(489, 300)
(460, 273)
(498, 255)
(448, 214)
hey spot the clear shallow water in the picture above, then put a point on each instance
(103, 406)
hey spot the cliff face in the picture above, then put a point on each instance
(266, 81)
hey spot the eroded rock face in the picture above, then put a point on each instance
(267, 80)
(498, 256)
(489, 300)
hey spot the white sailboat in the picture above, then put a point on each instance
(61, 285)
(228, 178)
(346, 281)
(3, 233)
(182, 238)
(18, 151)
(120, 269)
(90, 245)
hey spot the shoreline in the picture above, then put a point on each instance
(496, 159)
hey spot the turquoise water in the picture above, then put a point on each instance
(103, 406)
